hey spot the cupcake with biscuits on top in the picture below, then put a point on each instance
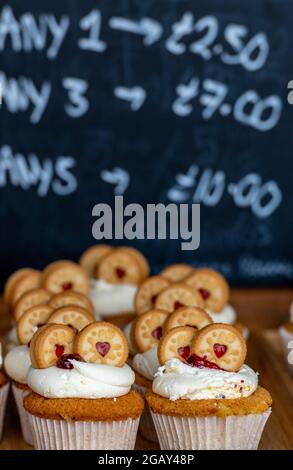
(159, 293)
(115, 275)
(81, 389)
(204, 396)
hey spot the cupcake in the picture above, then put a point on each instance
(286, 333)
(204, 396)
(81, 389)
(115, 274)
(215, 293)
(4, 389)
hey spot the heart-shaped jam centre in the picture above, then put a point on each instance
(120, 273)
(157, 332)
(103, 348)
(177, 305)
(220, 350)
(184, 351)
(67, 285)
(59, 350)
(204, 293)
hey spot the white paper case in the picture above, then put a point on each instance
(287, 340)
(3, 400)
(210, 433)
(49, 434)
(24, 417)
(146, 425)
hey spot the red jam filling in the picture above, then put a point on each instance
(204, 293)
(67, 285)
(157, 332)
(103, 348)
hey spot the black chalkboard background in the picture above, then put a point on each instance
(154, 145)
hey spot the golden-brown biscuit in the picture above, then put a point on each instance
(91, 257)
(73, 316)
(188, 316)
(32, 319)
(71, 297)
(147, 293)
(176, 272)
(50, 343)
(120, 266)
(176, 344)
(102, 343)
(176, 296)
(63, 276)
(29, 299)
(212, 287)
(222, 345)
(147, 329)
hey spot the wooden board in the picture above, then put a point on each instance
(262, 310)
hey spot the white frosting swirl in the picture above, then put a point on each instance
(177, 380)
(112, 299)
(291, 312)
(17, 363)
(227, 315)
(147, 363)
(83, 381)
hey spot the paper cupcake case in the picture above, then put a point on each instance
(24, 417)
(210, 433)
(51, 434)
(287, 340)
(3, 400)
(146, 424)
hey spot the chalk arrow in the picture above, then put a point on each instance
(118, 177)
(150, 29)
(135, 95)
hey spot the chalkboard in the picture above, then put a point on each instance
(156, 100)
